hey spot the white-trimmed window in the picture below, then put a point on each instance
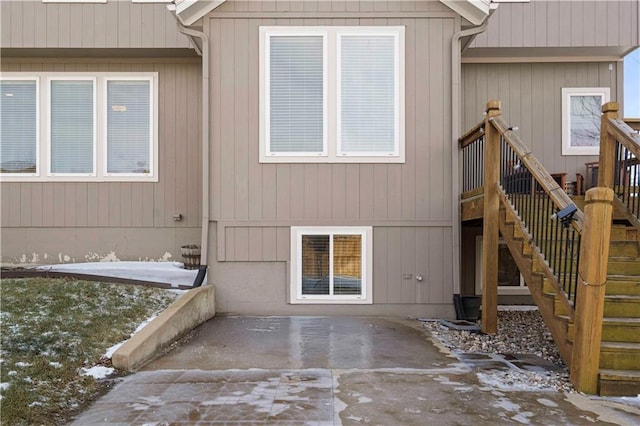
(332, 94)
(331, 265)
(581, 112)
(78, 127)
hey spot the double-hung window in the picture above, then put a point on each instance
(331, 265)
(78, 127)
(332, 94)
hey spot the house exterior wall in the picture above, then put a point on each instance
(532, 100)
(114, 24)
(50, 222)
(254, 205)
(562, 23)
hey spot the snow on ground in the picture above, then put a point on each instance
(157, 272)
(98, 371)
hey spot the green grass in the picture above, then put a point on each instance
(50, 330)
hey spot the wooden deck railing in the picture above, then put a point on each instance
(511, 174)
(620, 162)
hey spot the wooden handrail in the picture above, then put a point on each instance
(537, 170)
(472, 135)
(625, 135)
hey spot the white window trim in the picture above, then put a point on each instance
(43, 157)
(265, 91)
(28, 176)
(567, 94)
(49, 167)
(331, 95)
(295, 288)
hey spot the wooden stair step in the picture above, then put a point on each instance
(624, 330)
(622, 285)
(624, 248)
(619, 382)
(624, 266)
(621, 306)
(620, 356)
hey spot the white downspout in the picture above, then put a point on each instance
(456, 66)
(204, 53)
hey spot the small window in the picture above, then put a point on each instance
(581, 112)
(19, 126)
(332, 94)
(331, 265)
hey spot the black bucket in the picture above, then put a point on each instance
(471, 307)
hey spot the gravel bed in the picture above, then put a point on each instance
(519, 332)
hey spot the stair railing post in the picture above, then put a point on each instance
(607, 160)
(589, 311)
(491, 225)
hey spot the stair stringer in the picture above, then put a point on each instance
(534, 270)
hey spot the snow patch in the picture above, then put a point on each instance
(23, 364)
(4, 386)
(547, 402)
(55, 364)
(97, 372)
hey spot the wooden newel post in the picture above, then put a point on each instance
(589, 310)
(607, 145)
(491, 225)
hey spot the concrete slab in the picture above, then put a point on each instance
(333, 371)
(303, 342)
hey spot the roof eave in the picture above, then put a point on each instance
(474, 11)
(190, 11)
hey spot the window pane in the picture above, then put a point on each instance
(296, 94)
(347, 264)
(367, 85)
(72, 126)
(585, 120)
(315, 264)
(128, 126)
(18, 138)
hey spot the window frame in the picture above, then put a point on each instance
(331, 87)
(43, 141)
(567, 94)
(295, 286)
(49, 81)
(37, 79)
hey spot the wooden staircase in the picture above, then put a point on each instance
(620, 345)
(582, 269)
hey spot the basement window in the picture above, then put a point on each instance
(331, 265)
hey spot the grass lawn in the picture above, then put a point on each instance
(53, 328)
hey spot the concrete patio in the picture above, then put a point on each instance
(331, 371)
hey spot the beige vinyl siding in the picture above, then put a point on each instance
(254, 205)
(563, 23)
(330, 6)
(118, 207)
(115, 24)
(532, 100)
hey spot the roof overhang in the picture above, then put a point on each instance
(190, 11)
(474, 11)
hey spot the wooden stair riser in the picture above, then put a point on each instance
(618, 266)
(617, 286)
(620, 358)
(622, 307)
(619, 383)
(613, 331)
(629, 249)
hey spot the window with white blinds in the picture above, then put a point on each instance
(296, 95)
(72, 126)
(128, 126)
(368, 95)
(19, 126)
(332, 94)
(94, 126)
